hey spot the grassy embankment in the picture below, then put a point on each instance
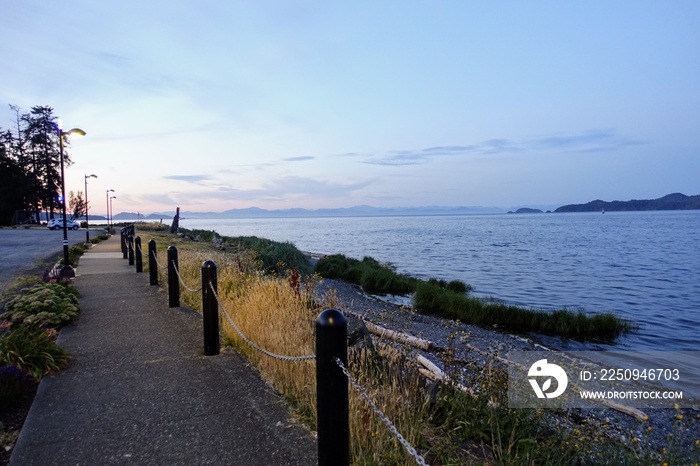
(451, 300)
(450, 427)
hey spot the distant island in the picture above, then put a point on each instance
(526, 210)
(675, 201)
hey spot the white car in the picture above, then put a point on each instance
(57, 224)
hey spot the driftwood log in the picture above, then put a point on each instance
(433, 372)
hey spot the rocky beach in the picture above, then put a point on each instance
(472, 346)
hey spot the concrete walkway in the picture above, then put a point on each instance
(139, 391)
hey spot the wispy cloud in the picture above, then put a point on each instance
(291, 187)
(194, 179)
(588, 141)
(302, 158)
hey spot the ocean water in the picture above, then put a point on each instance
(642, 266)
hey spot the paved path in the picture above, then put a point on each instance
(139, 391)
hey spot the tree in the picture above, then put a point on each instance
(77, 204)
(30, 163)
(41, 147)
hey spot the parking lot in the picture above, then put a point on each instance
(22, 250)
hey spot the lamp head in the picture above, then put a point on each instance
(90, 176)
(77, 131)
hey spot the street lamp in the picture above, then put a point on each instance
(109, 227)
(67, 271)
(87, 210)
(111, 208)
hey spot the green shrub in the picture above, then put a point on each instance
(276, 257)
(45, 304)
(369, 273)
(74, 253)
(98, 238)
(33, 350)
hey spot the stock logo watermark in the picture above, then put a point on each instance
(587, 379)
(542, 368)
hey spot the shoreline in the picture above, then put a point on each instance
(354, 302)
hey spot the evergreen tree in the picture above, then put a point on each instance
(42, 153)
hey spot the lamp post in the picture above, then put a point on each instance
(87, 211)
(67, 271)
(111, 208)
(109, 227)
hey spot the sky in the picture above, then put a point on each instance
(214, 105)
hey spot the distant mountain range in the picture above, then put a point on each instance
(675, 201)
(357, 211)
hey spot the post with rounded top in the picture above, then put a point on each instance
(333, 420)
(124, 242)
(130, 248)
(152, 263)
(210, 309)
(173, 283)
(139, 254)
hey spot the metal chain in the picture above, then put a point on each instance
(177, 272)
(407, 446)
(251, 343)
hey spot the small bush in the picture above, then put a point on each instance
(13, 383)
(74, 253)
(46, 304)
(369, 273)
(33, 350)
(98, 238)
(275, 257)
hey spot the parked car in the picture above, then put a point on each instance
(57, 224)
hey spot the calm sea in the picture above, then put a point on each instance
(642, 266)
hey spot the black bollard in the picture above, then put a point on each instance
(210, 309)
(130, 245)
(139, 254)
(333, 419)
(152, 262)
(125, 249)
(173, 283)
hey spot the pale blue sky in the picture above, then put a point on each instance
(213, 105)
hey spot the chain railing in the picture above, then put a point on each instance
(182, 282)
(250, 342)
(332, 375)
(363, 393)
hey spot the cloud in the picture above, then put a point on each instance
(299, 159)
(588, 141)
(292, 187)
(194, 179)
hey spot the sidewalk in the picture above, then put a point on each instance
(139, 391)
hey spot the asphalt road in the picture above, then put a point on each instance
(24, 250)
